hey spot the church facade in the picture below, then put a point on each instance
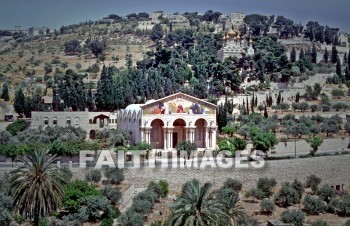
(168, 121)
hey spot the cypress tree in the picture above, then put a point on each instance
(297, 97)
(278, 101)
(293, 55)
(345, 59)
(301, 54)
(270, 101)
(265, 112)
(256, 101)
(334, 54)
(222, 117)
(314, 54)
(105, 96)
(347, 73)
(19, 102)
(28, 107)
(5, 92)
(326, 55)
(247, 106)
(338, 68)
(90, 101)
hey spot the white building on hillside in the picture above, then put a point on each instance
(171, 120)
(90, 122)
(237, 19)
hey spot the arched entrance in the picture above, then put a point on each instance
(179, 132)
(157, 134)
(199, 134)
(92, 134)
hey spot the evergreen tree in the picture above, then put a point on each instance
(270, 101)
(37, 103)
(27, 110)
(345, 59)
(128, 61)
(293, 55)
(334, 54)
(326, 55)
(297, 97)
(168, 87)
(247, 106)
(222, 116)
(265, 112)
(314, 54)
(278, 101)
(90, 101)
(347, 73)
(19, 102)
(301, 54)
(256, 102)
(105, 91)
(5, 92)
(338, 68)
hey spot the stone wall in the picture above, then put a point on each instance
(333, 170)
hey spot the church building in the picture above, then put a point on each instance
(168, 121)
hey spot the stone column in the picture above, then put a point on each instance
(165, 138)
(213, 138)
(148, 135)
(170, 138)
(206, 138)
(142, 135)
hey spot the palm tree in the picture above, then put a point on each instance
(38, 187)
(229, 198)
(196, 207)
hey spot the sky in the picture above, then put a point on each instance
(55, 13)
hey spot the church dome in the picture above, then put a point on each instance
(231, 33)
(133, 107)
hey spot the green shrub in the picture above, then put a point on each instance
(17, 126)
(344, 206)
(312, 180)
(347, 223)
(326, 193)
(131, 218)
(267, 205)
(165, 188)
(319, 223)
(75, 191)
(93, 176)
(265, 185)
(97, 207)
(299, 187)
(256, 193)
(113, 194)
(333, 205)
(114, 175)
(107, 222)
(314, 205)
(287, 196)
(148, 195)
(233, 184)
(68, 174)
(141, 206)
(295, 217)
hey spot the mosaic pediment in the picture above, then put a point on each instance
(179, 104)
